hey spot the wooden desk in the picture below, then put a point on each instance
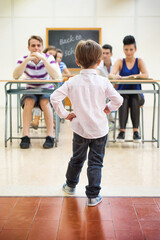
(156, 91)
(9, 91)
(67, 102)
(14, 87)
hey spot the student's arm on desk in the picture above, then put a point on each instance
(66, 73)
(143, 72)
(19, 70)
(52, 69)
(116, 69)
(56, 99)
(115, 98)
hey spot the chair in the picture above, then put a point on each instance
(115, 127)
(18, 90)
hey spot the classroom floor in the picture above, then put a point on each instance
(130, 188)
(69, 218)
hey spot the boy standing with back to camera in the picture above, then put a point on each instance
(87, 92)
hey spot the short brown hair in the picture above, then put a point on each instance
(88, 53)
(35, 37)
(49, 48)
(59, 50)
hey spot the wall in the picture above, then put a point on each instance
(19, 19)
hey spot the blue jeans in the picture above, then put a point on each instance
(95, 163)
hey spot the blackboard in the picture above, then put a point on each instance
(67, 38)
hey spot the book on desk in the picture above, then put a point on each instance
(134, 77)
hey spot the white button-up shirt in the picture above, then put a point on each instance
(87, 92)
(103, 69)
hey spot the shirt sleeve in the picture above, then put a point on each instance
(51, 59)
(56, 99)
(64, 65)
(115, 98)
(21, 60)
(54, 64)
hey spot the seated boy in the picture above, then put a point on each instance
(50, 50)
(36, 65)
(64, 70)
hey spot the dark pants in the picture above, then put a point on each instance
(132, 102)
(95, 163)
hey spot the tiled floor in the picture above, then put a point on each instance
(129, 170)
(65, 218)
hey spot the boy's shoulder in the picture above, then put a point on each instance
(97, 78)
(48, 57)
(102, 78)
(75, 77)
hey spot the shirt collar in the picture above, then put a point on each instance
(88, 71)
(110, 65)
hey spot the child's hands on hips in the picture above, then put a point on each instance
(70, 116)
(106, 110)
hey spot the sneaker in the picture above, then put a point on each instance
(69, 190)
(25, 142)
(49, 142)
(121, 137)
(94, 201)
(136, 137)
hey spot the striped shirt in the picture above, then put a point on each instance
(33, 71)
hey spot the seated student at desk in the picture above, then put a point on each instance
(50, 50)
(41, 66)
(105, 67)
(132, 67)
(107, 62)
(64, 70)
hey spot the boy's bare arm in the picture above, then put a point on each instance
(19, 70)
(115, 69)
(51, 69)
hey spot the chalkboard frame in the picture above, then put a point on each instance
(73, 29)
